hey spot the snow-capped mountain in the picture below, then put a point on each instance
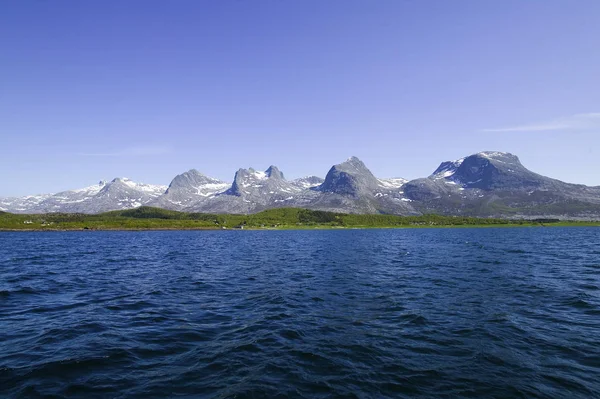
(492, 183)
(120, 193)
(252, 191)
(189, 189)
(484, 184)
(22, 204)
(351, 187)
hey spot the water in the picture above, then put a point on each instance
(502, 313)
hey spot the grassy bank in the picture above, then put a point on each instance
(147, 218)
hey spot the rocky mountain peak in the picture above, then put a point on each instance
(274, 172)
(486, 170)
(352, 164)
(351, 177)
(188, 188)
(476, 170)
(245, 178)
(191, 179)
(487, 183)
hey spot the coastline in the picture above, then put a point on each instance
(149, 219)
(284, 228)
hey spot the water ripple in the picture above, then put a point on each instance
(503, 313)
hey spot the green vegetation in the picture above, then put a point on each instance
(147, 218)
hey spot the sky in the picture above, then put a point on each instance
(147, 89)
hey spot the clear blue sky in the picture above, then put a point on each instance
(146, 89)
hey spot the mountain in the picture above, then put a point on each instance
(251, 191)
(120, 193)
(484, 184)
(351, 187)
(492, 170)
(349, 178)
(497, 184)
(22, 204)
(189, 189)
(254, 191)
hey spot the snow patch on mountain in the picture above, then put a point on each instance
(259, 175)
(447, 169)
(91, 190)
(151, 189)
(210, 189)
(480, 184)
(395, 182)
(120, 193)
(493, 154)
(306, 182)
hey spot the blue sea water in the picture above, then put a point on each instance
(415, 313)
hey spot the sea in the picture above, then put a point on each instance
(353, 313)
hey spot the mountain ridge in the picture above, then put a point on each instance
(485, 184)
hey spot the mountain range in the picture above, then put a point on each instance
(486, 184)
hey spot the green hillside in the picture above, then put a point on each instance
(156, 218)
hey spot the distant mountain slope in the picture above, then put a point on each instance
(188, 190)
(351, 187)
(120, 193)
(484, 184)
(497, 184)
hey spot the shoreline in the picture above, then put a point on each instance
(284, 228)
(156, 219)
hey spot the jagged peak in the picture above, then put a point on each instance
(271, 172)
(274, 172)
(251, 179)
